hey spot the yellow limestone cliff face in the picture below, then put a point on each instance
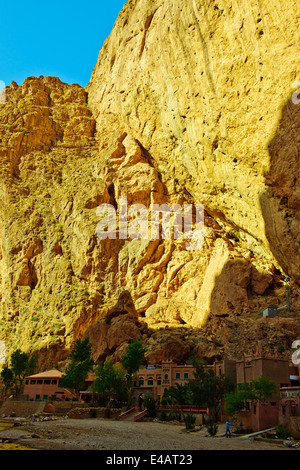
(205, 89)
(189, 102)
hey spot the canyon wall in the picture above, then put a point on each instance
(190, 102)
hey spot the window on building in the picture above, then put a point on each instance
(54, 381)
(150, 380)
(283, 410)
(158, 380)
(177, 375)
(254, 409)
(166, 376)
(32, 382)
(39, 382)
(26, 382)
(47, 382)
(37, 397)
(186, 376)
(141, 381)
(45, 397)
(273, 403)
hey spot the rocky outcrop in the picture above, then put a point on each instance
(189, 103)
(47, 137)
(111, 335)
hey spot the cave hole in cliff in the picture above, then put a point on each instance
(284, 201)
(33, 276)
(277, 271)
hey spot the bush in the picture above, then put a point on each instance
(282, 432)
(163, 416)
(150, 406)
(280, 348)
(174, 416)
(93, 413)
(189, 420)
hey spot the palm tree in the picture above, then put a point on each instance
(182, 394)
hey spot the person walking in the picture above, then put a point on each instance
(228, 433)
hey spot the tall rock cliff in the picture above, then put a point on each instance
(190, 102)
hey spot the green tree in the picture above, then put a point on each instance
(181, 393)
(21, 365)
(261, 389)
(8, 379)
(110, 383)
(81, 362)
(175, 396)
(235, 401)
(134, 357)
(208, 389)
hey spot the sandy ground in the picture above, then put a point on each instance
(108, 435)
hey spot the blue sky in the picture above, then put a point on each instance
(57, 38)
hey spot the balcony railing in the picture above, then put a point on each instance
(290, 392)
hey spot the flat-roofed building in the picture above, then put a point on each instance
(45, 385)
(282, 372)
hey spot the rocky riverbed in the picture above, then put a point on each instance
(107, 435)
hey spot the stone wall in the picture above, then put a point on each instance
(22, 409)
(291, 422)
(293, 425)
(85, 413)
(28, 408)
